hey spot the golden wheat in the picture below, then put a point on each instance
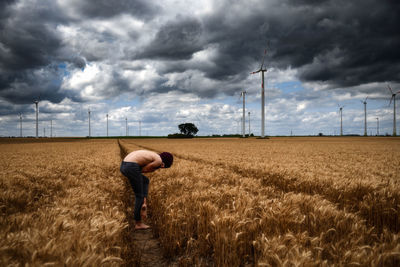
(278, 202)
(62, 204)
(225, 202)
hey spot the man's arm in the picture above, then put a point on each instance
(152, 166)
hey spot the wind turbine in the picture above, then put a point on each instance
(394, 109)
(262, 70)
(365, 115)
(341, 119)
(243, 93)
(126, 125)
(377, 126)
(37, 117)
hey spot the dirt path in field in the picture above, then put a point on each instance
(145, 247)
(150, 249)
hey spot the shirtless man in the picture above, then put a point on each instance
(133, 165)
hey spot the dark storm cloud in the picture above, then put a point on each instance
(178, 39)
(26, 86)
(104, 8)
(27, 40)
(346, 43)
(11, 109)
(4, 5)
(343, 43)
(29, 47)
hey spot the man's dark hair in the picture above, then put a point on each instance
(167, 159)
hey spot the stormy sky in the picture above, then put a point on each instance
(168, 62)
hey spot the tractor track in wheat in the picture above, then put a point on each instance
(147, 248)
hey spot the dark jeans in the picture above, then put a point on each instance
(139, 183)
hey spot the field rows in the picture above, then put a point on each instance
(216, 204)
(63, 204)
(225, 202)
(355, 179)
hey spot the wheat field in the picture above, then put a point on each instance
(278, 202)
(63, 203)
(224, 202)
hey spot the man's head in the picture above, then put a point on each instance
(167, 159)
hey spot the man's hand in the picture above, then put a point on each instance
(143, 211)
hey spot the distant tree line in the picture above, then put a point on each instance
(188, 130)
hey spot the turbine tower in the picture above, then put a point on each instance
(89, 121)
(262, 70)
(126, 125)
(37, 118)
(51, 128)
(243, 93)
(365, 115)
(140, 128)
(377, 126)
(394, 109)
(341, 119)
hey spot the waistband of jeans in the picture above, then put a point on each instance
(131, 163)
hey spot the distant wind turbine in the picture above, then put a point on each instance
(365, 115)
(394, 109)
(37, 117)
(126, 125)
(341, 119)
(262, 70)
(243, 93)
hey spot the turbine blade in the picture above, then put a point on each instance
(390, 88)
(397, 92)
(391, 100)
(262, 63)
(366, 99)
(254, 72)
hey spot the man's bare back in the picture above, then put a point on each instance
(148, 160)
